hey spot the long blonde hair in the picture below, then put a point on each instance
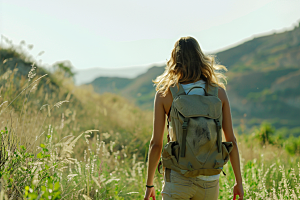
(189, 64)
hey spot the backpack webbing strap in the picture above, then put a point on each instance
(168, 175)
(184, 133)
(219, 136)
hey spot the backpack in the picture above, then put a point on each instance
(195, 147)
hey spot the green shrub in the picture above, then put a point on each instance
(264, 133)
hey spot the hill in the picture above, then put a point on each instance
(52, 98)
(139, 90)
(263, 80)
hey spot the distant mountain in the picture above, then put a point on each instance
(139, 89)
(87, 75)
(263, 80)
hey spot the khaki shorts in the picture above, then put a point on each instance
(181, 187)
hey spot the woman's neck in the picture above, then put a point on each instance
(190, 82)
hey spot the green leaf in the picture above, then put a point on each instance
(32, 196)
(56, 186)
(39, 155)
(56, 195)
(43, 188)
(42, 145)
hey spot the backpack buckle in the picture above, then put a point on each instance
(185, 123)
(218, 124)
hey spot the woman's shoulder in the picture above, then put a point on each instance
(163, 101)
(222, 94)
(159, 96)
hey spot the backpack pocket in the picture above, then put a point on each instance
(226, 149)
(170, 156)
(170, 149)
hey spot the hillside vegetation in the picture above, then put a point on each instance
(263, 81)
(55, 95)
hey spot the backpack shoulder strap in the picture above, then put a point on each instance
(176, 92)
(212, 90)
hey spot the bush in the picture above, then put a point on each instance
(264, 134)
(292, 145)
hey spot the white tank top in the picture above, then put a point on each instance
(198, 91)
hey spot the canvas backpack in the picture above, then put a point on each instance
(195, 147)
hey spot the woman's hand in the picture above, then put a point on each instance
(238, 190)
(150, 192)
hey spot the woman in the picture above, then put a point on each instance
(189, 67)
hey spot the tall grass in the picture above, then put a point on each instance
(68, 142)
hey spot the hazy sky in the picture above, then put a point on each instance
(122, 33)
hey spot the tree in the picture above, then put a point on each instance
(64, 67)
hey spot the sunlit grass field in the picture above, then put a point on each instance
(67, 142)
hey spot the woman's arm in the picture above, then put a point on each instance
(156, 142)
(229, 136)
